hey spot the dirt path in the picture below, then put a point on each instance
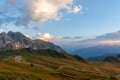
(115, 75)
(46, 68)
(84, 69)
(61, 67)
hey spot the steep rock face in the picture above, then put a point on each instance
(5, 40)
(16, 40)
(19, 37)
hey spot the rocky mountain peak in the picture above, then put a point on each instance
(17, 40)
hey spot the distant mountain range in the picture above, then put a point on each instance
(17, 40)
(102, 57)
(98, 50)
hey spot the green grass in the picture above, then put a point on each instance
(17, 76)
(11, 70)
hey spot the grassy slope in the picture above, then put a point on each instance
(11, 70)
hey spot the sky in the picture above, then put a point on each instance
(73, 23)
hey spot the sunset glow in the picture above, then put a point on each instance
(110, 42)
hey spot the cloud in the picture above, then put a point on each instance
(109, 38)
(44, 37)
(110, 42)
(28, 36)
(113, 36)
(35, 28)
(65, 42)
(22, 12)
(76, 9)
(43, 10)
(68, 37)
(1, 30)
(56, 39)
(106, 39)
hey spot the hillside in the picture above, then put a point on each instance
(113, 59)
(102, 57)
(30, 64)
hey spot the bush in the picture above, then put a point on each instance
(31, 65)
(112, 78)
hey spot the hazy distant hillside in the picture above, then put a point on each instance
(113, 59)
(16, 40)
(99, 50)
(102, 57)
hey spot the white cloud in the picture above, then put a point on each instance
(56, 39)
(28, 36)
(45, 37)
(75, 10)
(66, 42)
(43, 10)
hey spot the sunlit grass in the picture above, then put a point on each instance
(19, 71)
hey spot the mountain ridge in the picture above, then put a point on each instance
(17, 40)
